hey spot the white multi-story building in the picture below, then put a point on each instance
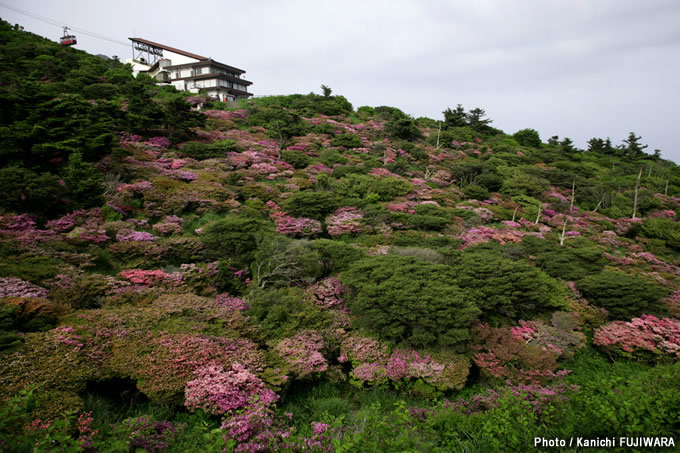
(188, 71)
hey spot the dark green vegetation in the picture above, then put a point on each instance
(175, 279)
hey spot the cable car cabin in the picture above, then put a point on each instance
(68, 40)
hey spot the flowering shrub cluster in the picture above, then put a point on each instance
(403, 366)
(15, 287)
(646, 337)
(537, 396)
(344, 221)
(294, 226)
(561, 338)
(303, 353)
(172, 224)
(217, 391)
(233, 303)
(127, 235)
(148, 434)
(326, 293)
(145, 277)
(500, 355)
(484, 234)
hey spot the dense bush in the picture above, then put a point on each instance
(315, 205)
(359, 186)
(346, 141)
(409, 301)
(234, 237)
(624, 296)
(297, 159)
(202, 151)
(505, 287)
(661, 228)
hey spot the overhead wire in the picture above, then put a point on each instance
(61, 25)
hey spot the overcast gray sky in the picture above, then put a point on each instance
(577, 68)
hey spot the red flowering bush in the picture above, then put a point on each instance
(644, 338)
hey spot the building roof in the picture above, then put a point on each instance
(208, 61)
(168, 48)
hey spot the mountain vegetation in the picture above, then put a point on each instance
(293, 273)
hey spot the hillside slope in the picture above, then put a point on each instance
(177, 272)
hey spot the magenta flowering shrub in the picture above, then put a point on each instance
(232, 303)
(145, 277)
(483, 234)
(164, 363)
(15, 287)
(297, 226)
(562, 338)
(294, 226)
(344, 221)
(537, 396)
(148, 434)
(404, 367)
(358, 349)
(126, 235)
(217, 391)
(505, 355)
(644, 338)
(326, 293)
(303, 353)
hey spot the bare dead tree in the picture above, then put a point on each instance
(635, 197)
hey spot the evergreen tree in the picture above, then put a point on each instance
(455, 118)
(83, 182)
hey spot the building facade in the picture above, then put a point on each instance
(188, 71)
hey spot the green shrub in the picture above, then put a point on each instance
(234, 237)
(507, 288)
(409, 301)
(476, 192)
(346, 140)
(296, 158)
(330, 157)
(623, 296)
(359, 186)
(403, 129)
(282, 312)
(203, 151)
(280, 261)
(315, 205)
(575, 260)
(336, 256)
(528, 137)
(665, 229)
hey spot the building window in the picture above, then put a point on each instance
(197, 71)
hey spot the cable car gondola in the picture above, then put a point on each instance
(67, 40)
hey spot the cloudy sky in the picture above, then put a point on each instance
(577, 68)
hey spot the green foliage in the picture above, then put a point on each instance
(297, 159)
(528, 137)
(335, 256)
(308, 104)
(330, 157)
(235, 238)
(280, 261)
(476, 192)
(26, 191)
(409, 301)
(282, 312)
(403, 129)
(501, 286)
(623, 296)
(578, 258)
(346, 140)
(83, 182)
(202, 151)
(661, 228)
(315, 205)
(359, 186)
